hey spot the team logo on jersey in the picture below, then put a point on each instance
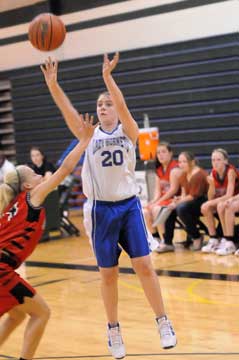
(121, 141)
(12, 212)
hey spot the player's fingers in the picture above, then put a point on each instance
(106, 60)
(56, 65)
(105, 57)
(43, 69)
(115, 59)
(87, 118)
(46, 64)
(116, 56)
(52, 64)
(81, 119)
(92, 119)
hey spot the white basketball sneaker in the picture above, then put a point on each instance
(167, 335)
(211, 246)
(226, 248)
(115, 342)
(153, 242)
(237, 252)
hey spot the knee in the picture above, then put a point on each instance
(155, 210)
(231, 210)
(44, 313)
(205, 209)
(47, 312)
(220, 208)
(17, 317)
(144, 269)
(109, 277)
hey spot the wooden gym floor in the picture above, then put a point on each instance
(200, 291)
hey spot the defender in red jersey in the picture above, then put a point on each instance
(223, 184)
(21, 225)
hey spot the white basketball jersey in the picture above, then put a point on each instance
(109, 164)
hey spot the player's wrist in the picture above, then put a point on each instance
(85, 141)
(52, 84)
(107, 75)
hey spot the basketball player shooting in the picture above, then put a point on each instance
(113, 215)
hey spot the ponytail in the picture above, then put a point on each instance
(9, 189)
(6, 196)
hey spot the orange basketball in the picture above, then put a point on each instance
(46, 32)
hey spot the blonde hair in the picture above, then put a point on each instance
(223, 152)
(11, 187)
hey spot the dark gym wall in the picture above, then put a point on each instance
(189, 90)
(23, 14)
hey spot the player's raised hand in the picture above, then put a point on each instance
(109, 65)
(49, 69)
(86, 127)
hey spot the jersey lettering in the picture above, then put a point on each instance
(112, 158)
(12, 212)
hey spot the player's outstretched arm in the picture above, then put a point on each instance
(70, 114)
(39, 193)
(129, 124)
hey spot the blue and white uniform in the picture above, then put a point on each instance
(112, 213)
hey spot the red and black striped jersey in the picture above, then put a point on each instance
(164, 176)
(221, 183)
(21, 227)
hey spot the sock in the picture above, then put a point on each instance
(229, 238)
(155, 234)
(164, 317)
(214, 236)
(109, 325)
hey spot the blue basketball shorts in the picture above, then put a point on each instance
(113, 226)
